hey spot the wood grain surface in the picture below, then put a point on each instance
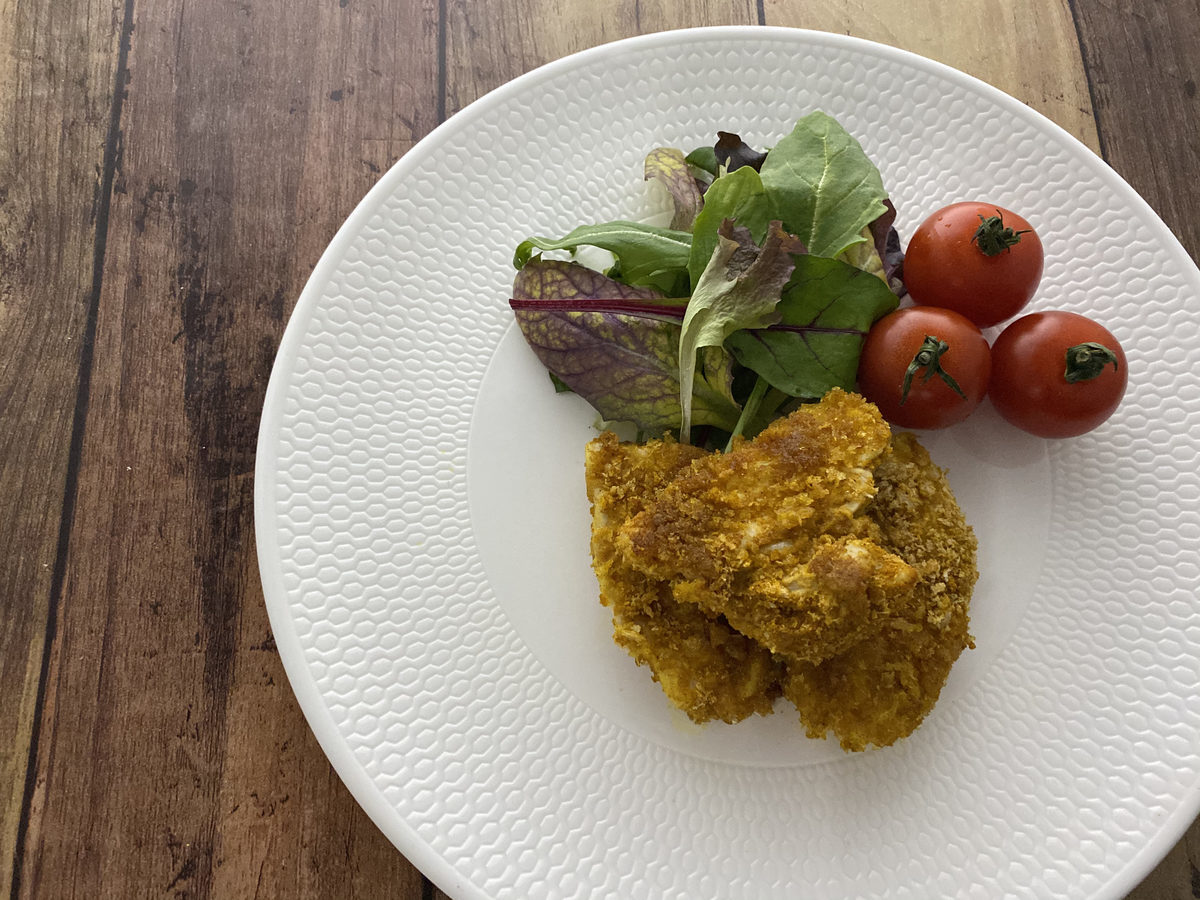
(170, 172)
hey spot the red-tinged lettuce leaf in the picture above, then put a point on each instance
(669, 167)
(626, 366)
(560, 279)
(740, 288)
(559, 284)
(738, 196)
(733, 153)
(887, 245)
(825, 314)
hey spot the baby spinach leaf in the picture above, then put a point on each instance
(668, 166)
(705, 159)
(738, 196)
(646, 254)
(822, 186)
(825, 314)
(739, 288)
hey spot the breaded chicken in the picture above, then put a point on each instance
(766, 535)
(824, 560)
(705, 667)
(880, 689)
(804, 476)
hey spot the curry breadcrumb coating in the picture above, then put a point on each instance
(880, 690)
(768, 535)
(705, 667)
(824, 560)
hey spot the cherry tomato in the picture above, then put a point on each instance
(1057, 374)
(977, 259)
(924, 367)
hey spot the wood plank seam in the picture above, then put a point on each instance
(1088, 78)
(112, 154)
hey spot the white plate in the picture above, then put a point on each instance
(422, 527)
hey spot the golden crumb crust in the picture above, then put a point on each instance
(880, 690)
(824, 560)
(705, 667)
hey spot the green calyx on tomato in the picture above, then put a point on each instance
(994, 237)
(1086, 361)
(928, 357)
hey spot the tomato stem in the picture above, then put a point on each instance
(993, 236)
(1086, 361)
(928, 357)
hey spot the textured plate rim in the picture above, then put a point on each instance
(432, 864)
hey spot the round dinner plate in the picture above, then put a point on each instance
(423, 530)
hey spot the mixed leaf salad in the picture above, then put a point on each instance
(757, 297)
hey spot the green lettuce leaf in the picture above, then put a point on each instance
(740, 288)
(646, 254)
(825, 314)
(668, 166)
(704, 159)
(822, 186)
(738, 196)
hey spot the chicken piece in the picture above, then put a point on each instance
(769, 535)
(804, 476)
(815, 609)
(704, 666)
(880, 689)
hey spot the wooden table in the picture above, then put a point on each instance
(170, 172)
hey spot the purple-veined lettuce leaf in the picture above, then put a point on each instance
(669, 167)
(617, 346)
(825, 314)
(559, 279)
(740, 288)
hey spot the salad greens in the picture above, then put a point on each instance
(740, 288)
(738, 196)
(647, 255)
(822, 186)
(617, 346)
(668, 166)
(758, 296)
